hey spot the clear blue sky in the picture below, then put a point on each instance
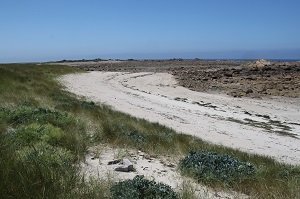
(40, 30)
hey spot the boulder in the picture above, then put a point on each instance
(114, 161)
(126, 166)
(248, 91)
(260, 64)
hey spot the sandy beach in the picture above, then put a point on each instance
(269, 127)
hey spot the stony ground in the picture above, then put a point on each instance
(150, 66)
(251, 79)
(162, 169)
(235, 78)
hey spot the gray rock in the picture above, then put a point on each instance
(114, 162)
(248, 91)
(171, 165)
(126, 166)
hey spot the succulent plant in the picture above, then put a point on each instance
(141, 188)
(207, 166)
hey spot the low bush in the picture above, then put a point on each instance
(53, 126)
(30, 134)
(27, 114)
(210, 166)
(141, 188)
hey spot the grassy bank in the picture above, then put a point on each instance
(45, 131)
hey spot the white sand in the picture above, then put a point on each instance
(153, 96)
(160, 169)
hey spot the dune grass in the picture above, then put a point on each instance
(45, 131)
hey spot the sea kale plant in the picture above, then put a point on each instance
(141, 188)
(209, 166)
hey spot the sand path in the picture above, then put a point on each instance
(268, 127)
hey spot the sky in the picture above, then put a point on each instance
(44, 30)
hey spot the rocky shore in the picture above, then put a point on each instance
(256, 79)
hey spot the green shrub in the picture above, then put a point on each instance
(27, 114)
(52, 126)
(26, 135)
(141, 188)
(33, 133)
(53, 135)
(209, 166)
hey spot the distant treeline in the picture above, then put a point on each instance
(173, 59)
(99, 59)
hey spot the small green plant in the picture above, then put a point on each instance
(52, 126)
(141, 188)
(30, 134)
(209, 166)
(27, 114)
